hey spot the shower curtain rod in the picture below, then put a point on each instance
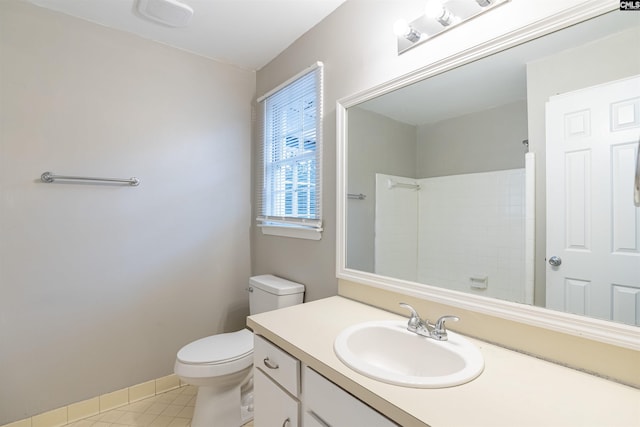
(49, 177)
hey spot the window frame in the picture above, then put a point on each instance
(289, 226)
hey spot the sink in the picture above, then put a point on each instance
(388, 352)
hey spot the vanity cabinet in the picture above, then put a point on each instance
(289, 394)
(273, 407)
(276, 386)
(325, 404)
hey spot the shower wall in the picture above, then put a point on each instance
(462, 232)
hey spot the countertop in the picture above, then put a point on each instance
(514, 389)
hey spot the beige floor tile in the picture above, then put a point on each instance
(112, 416)
(179, 422)
(140, 406)
(181, 399)
(136, 419)
(172, 410)
(165, 398)
(82, 423)
(190, 390)
(156, 408)
(186, 412)
(161, 421)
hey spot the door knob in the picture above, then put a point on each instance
(555, 261)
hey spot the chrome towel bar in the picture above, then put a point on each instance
(50, 177)
(356, 196)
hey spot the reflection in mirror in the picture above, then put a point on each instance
(470, 187)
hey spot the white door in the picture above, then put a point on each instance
(593, 226)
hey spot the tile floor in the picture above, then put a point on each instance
(171, 409)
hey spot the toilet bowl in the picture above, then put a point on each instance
(221, 365)
(218, 365)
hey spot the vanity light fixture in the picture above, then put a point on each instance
(439, 16)
(435, 10)
(402, 29)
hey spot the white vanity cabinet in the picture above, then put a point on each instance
(325, 404)
(276, 386)
(280, 392)
(273, 407)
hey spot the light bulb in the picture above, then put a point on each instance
(401, 28)
(434, 9)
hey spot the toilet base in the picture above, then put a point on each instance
(223, 405)
(217, 408)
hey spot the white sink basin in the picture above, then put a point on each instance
(386, 351)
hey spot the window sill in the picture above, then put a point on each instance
(291, 231)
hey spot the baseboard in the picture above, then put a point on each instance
(105, 402)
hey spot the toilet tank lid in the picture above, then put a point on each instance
(276, 285)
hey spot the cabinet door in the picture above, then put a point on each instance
(273, 407)
(326, 404)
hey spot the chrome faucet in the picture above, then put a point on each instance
(424, 327)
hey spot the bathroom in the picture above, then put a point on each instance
(101, 285)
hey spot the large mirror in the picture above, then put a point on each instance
(508, 178)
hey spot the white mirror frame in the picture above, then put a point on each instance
(617, 334)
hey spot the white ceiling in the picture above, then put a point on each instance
(246, 33)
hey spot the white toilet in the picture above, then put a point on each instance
(221, 365)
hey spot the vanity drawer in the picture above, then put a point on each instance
(277, 364)
(327, 405)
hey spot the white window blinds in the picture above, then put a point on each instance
(291, 152)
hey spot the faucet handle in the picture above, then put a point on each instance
(439, 331)
(414, 321)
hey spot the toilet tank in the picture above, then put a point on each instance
(268, 292)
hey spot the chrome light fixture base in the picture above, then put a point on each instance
(454, 13)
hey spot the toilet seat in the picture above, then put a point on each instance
(218, 349)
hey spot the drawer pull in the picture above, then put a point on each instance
(286, 422)
(269, 364)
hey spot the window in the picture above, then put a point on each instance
(289, 203)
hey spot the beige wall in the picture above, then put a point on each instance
(357, 46)
(595, 63)
(100, 285)
(485, 141)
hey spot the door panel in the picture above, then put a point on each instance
(592, 223)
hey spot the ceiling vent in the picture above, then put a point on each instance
(167, 12)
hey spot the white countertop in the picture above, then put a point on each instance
(515, 390)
